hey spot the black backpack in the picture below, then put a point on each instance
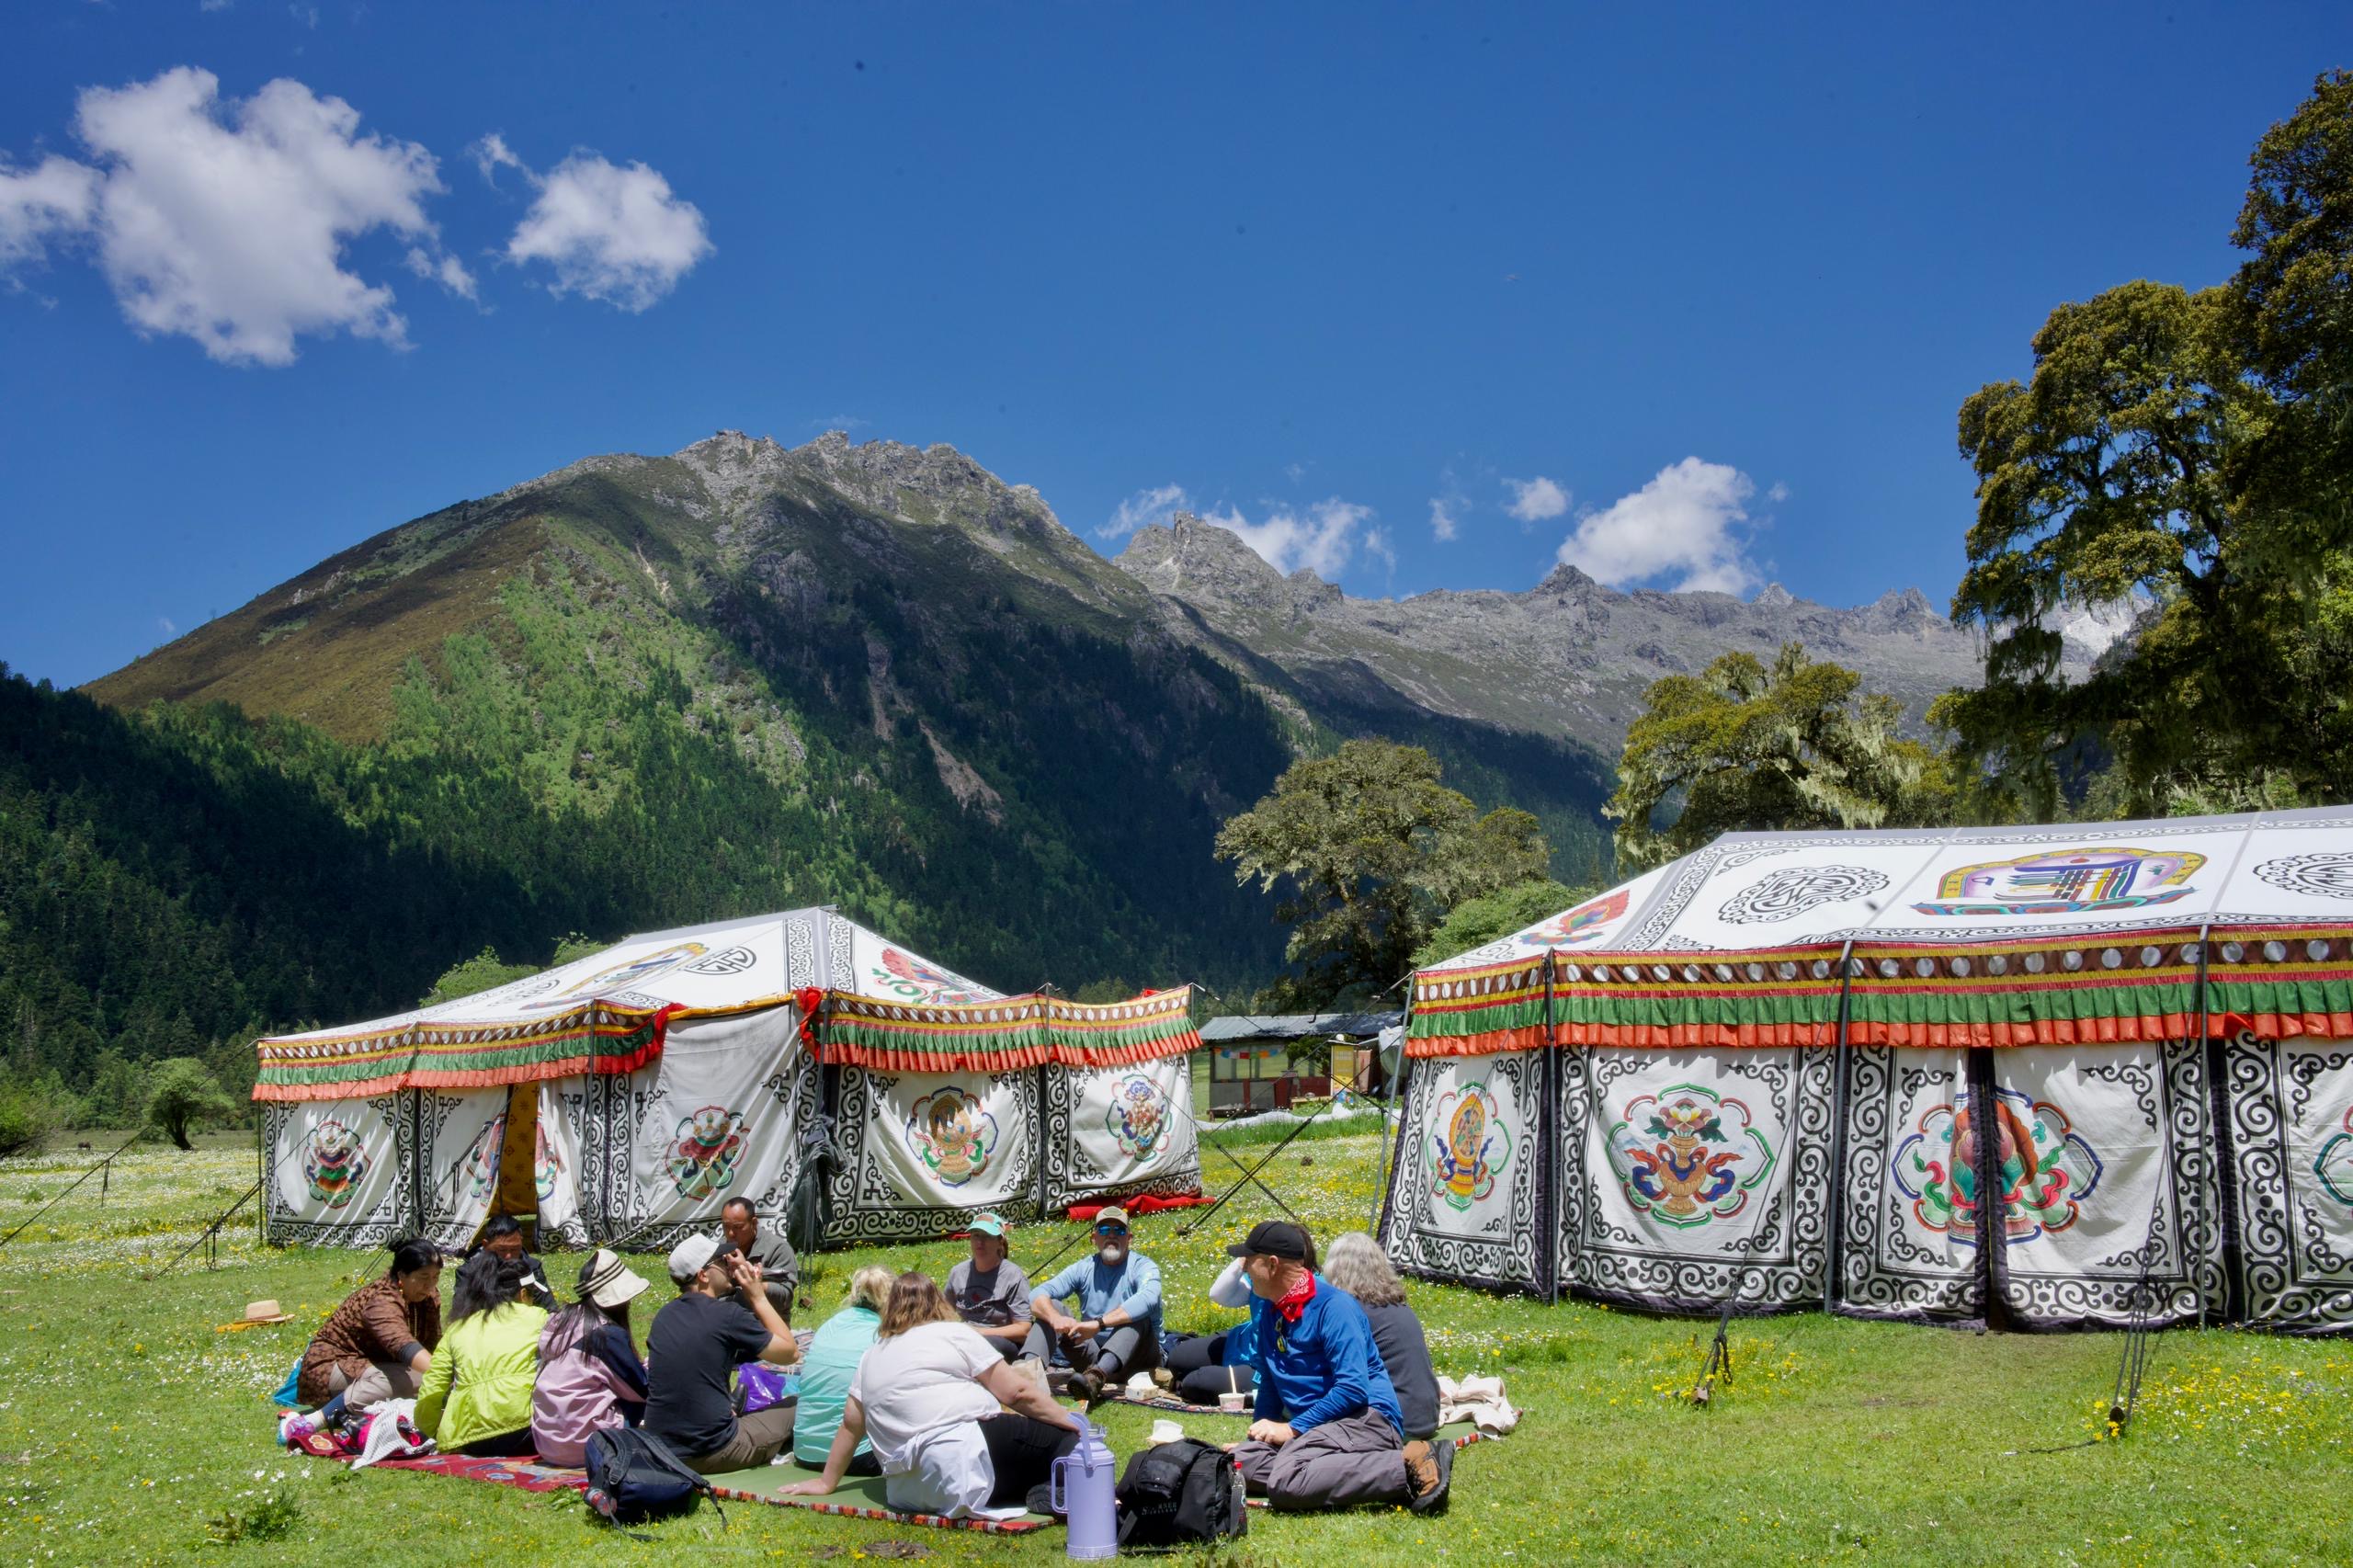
(633, 1476)
(1180, 1493)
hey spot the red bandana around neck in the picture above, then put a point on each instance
(1295, 1303)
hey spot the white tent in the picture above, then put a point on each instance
(679, 1069)
(1756, 1075)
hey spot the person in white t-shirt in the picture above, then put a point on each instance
(958, 1431)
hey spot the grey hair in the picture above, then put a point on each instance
(1355, 1264)
(871, 1287)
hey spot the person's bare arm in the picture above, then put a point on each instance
(1019, 1393)
(838, 1458)
(782, 1350)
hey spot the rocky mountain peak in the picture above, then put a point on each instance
(1900, 609)
(1775, 597)
(934, 484)
(1207, 565)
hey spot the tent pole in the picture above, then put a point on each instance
(1834, 1258)
(1548, 1207)
(2205, 1123)
(1385, 1167)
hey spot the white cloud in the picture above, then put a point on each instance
(1321, 537)
(1446, 520)
(446, 270)
(1537, 500)
(214, 5)
(1142, 509)
(166, 622)
(492, 154)
(1778, 494)
(53, 199)
(611, 233)
(1680, 525)
(225, 220)
(1377, 546)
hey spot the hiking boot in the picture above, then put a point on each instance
(1163, 1378)
(1081, 1356)
(1090, 1388)
(1430, 1468)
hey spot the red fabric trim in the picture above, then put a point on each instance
(1143, 1203)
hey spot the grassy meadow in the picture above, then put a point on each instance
(133, 1431)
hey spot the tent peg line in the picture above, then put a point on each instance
(78, 1181)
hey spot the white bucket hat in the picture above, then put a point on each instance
(608, 1281)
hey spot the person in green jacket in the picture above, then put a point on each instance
(826, 1370)
(476, 1398)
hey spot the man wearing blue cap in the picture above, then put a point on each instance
(1326, 1433)
(989, 1291)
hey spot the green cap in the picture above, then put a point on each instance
(990, 1225)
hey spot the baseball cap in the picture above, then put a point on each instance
(608, 1281)
(694, 1255)
(1272, 1238)
(991, 1224)
(1110, 1215)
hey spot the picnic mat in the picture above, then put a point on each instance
(528, 1474)
(858, 1497)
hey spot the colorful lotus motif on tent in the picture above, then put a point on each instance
(1687, 1156)
(2334, 1164)
(1473, 1150)
(906, 978)
(478, 1170)
(710, 1144)
(952, 1134)
(333, 1164)
(1585, 923)
(2066, 881)
(1138, 1117)
(2042, 1166)
(546, 1165)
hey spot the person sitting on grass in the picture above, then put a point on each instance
(990, 1292)
(933, 1396)
(1117, 1330)
(826, 1372)
(476, 1396)
(695, 1346)
(1356, 1264)
(1326, 1433)
(779, 1265)
(503, 1236)
(590, 1377)
(378, 1343)
(1203, 1366)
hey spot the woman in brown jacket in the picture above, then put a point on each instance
(377, 1345)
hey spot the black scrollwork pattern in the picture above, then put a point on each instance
(2286, 1098)
(863, 1205)
(392, 1215)
(1072, 1177)
(629, 1211)
(1777, 1263)
(1884, 1273)
(1506, 1260)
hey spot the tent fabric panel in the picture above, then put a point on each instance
(564, 1130)
(2292, 1143)
(340, 1172)
(457, 1143)
(1907, 1236)
(1115, 1133)
(921, 1153)
(1464, 1202)
(717, 1116)
(1696, 1178)
(2107, 1177)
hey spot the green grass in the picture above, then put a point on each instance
(132, 1432)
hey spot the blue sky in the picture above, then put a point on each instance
(1692, 297)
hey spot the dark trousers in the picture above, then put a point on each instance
(515, 1445)
(1022, 1449)
(1197, 1363)
(1345, 1463)
(1131, 1347)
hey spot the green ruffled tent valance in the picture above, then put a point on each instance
(1003, 1035)
(2276, 981)
(596, 1038)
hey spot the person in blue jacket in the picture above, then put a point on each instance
(1326, 1433)
(1116, 1331)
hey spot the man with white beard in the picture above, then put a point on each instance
(1116, 1330)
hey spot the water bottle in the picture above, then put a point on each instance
(1082, 1491)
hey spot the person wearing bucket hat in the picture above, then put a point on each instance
(989, 1291)
(696, 1344)
(1327, 1429)
(1117, 1330)
(590, 1377)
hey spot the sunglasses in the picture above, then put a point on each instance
(1110, 1230)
